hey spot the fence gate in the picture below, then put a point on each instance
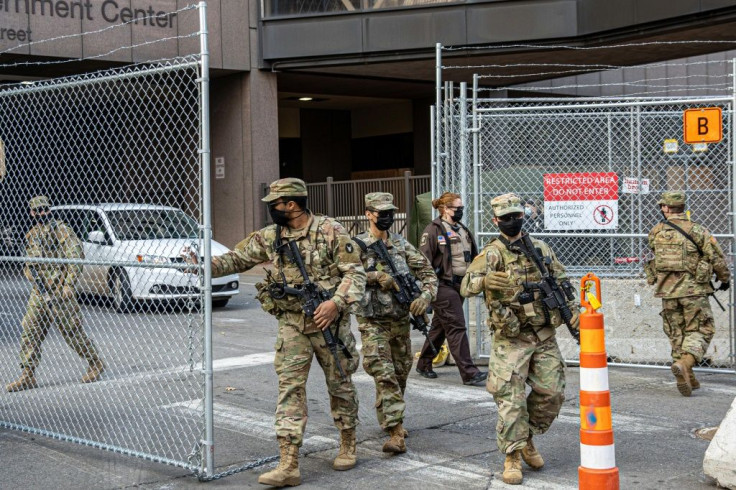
(135, 137)
(626, 152)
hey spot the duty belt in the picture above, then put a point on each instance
(456, 280)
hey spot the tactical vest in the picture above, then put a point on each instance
(376, 302)
(673, 252)
(459, 243)
(43, 241)
(318, 261)
(520, 270)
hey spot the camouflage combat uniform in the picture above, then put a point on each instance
(384, 322)
(331, 260)
(683, 280)
(524, 346)
(57, 303)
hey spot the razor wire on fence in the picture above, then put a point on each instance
(590, 172)
(97, 265)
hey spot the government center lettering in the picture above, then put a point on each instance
(108, 10)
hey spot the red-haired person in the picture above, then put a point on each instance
(450, 247)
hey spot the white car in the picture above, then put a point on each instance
(144, 234)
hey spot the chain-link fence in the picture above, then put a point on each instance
(590, 173)
(98, 285)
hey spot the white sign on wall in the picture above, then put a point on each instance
(220, 167)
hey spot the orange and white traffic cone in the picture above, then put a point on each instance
(597, 469)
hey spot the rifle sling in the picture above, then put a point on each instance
(278, 246)
(524, 249)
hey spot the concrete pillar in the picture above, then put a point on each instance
(245, 141)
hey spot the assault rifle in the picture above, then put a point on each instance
(552, 295)
(41, 285)
(311, 296)
(407, 290)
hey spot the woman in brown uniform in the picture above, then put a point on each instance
(449, 246)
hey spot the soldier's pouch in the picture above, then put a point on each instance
(267, 302)
(670, 257)
(504, 320)
(703, 271)
(499, 374)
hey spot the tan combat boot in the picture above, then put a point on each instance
(680, 369)
(512, 468)
(346, 457)
(27, 381)
(286, 474)
(694, 382)
(94, 371)
(396, 443)
(531, 456)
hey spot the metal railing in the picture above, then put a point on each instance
(344, 200)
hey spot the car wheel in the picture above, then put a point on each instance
(122, 296)
(220, 303)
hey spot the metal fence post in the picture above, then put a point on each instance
(433, 157)
(208, 445)
(438, 111)
(330, 201)
(476, 207)
(732, 294)
(407, 197)
(463, 142)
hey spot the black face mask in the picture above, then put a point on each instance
(384, 220)
(511, 227)
(458, 215)
(42, 219)
(278, 216)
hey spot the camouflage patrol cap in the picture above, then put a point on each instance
(39, 202)
(672, 198)
(506, 204)
(290, 187)
(380, 201)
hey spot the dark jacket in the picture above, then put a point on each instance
(441, 257)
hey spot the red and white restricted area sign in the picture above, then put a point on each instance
(703, 125)
(581, 201)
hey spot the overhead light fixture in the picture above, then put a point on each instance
(27, 82)
(305, 99)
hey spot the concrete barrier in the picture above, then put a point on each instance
(720, 458)
(633, 326)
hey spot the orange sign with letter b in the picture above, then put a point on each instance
(703, 125)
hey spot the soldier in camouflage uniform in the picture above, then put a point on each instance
(53, 297)
(332, 261)
(383, 321)
(682, 270)
(525, 348)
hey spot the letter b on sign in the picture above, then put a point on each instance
(703, 125)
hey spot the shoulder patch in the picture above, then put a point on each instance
(349, 248)
(423, 241)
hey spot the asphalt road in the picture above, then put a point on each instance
(150, 380)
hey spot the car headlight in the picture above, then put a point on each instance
(152, 259)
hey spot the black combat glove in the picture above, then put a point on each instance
(724, 286)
